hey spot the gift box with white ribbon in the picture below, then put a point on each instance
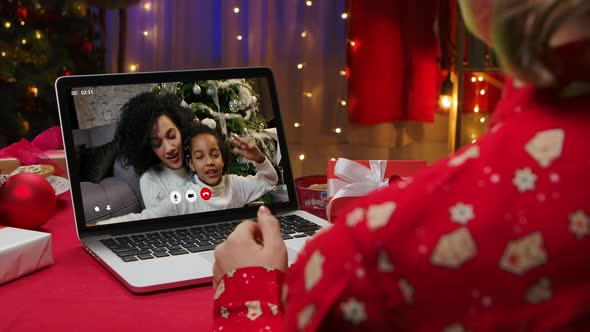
(22, 252)
(349, 179)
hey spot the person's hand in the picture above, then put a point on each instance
(247, 150)
(252, 244)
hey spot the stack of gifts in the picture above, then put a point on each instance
(22, 252)
(349, 179)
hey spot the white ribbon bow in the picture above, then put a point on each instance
(353, 179)
(215, 97)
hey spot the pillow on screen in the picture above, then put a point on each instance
(97, 162)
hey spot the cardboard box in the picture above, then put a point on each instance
(8, 165)
(349, 179)
(22, 252)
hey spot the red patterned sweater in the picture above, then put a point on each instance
(496, 237)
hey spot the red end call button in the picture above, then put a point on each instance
(206, 194)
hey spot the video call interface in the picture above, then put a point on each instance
(111, 193)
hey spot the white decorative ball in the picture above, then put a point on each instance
(196, 89)
(209, 123)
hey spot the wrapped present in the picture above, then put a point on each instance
(348, 179)
(22, 252)
(54, 158)
(46, 149)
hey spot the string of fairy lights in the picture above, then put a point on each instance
(307, 94)
(33, 90)
(147, 32)
(446, 102)
(480, 90)
(30, 39)
(302, 65)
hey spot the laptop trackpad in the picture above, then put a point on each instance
(292, 255)
(210, 257)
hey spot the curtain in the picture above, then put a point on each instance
(190, 34)
(400, 80)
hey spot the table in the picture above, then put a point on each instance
(77, 294)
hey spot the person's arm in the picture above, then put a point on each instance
(266, 174)
(251, 187)
(331, 287)
(248, 276)
(246, 150)
(248, 299)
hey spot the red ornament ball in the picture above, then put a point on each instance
(27, 200)
(22, 13)
(86, 47)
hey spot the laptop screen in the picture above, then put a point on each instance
(181, 147)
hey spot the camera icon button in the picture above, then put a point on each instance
(191, 195)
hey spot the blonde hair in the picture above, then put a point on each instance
(523, 29)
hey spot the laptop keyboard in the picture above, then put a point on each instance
(183, 241)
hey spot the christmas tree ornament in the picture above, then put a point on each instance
(86, 47)
(38, 38)
(26, 201)
(63, 71)
(196, 89)
(22, 13)
(234, 105)
(209, 123)
(170, 87)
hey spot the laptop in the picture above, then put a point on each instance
(171, 251)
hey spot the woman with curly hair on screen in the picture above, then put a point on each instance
(149, 139)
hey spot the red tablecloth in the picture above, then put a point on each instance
(77, 294)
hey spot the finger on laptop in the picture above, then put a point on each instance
(242, 240)
(270, 228)
(273, 239)
(246, 231)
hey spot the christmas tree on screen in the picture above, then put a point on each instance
(40, 41)
(231, 106)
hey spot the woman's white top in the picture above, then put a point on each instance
(156, 186)
(232, 191)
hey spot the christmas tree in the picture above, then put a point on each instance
(232, 106)
(40, 41)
